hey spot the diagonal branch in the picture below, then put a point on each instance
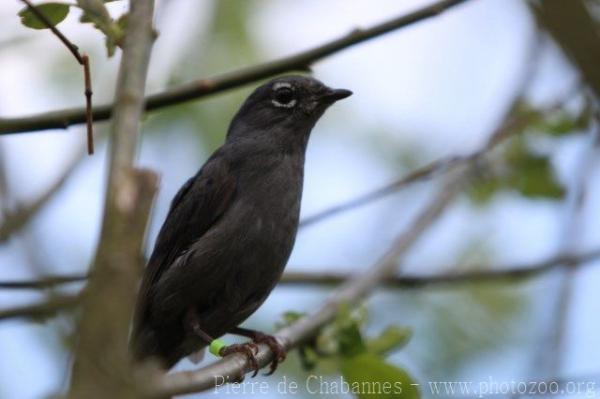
(204, 87)
(16, 219)
(40, 15)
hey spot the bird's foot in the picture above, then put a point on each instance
(249, 349)
(279, 352)
(258, 337)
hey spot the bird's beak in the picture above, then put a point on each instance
(333, 95)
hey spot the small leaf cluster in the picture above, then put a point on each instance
(520, 167)
(94, 12)
(342, 347)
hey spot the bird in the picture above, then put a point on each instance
(230, 229)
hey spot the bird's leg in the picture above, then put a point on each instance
(258, 337)
(193, 325)
(249, 349)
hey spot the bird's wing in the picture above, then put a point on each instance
(194, 210)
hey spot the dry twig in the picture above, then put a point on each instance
(84, 61)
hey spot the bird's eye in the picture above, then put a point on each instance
(284, 97)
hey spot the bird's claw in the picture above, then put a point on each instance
(278, 350)
(248, 349)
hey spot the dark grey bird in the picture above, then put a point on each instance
(231, 228)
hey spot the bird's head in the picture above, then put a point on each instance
(289, 102)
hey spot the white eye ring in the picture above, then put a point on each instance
(288, 105)
(281, 85)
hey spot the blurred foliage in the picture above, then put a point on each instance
(371, 377)
(459, 325)
(341, 347)
(462, 326)
(559, 122)
(96, 13)
(521, 168)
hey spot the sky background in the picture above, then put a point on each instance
(434, 89)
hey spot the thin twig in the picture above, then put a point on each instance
(89, 117)
(501, 273)
(15, 220)
(45, 308)
(40, 15)
(43, 282)
(473, 274)
(201, 88)
(83, 60)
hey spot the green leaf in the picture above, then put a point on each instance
(392, 338)
(522, 170)
(534, 177)
(288, 318)
(369, 376)
(350, 341)
(54, 12)
(346, 330)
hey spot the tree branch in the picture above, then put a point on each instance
(102, 367)
(204, 87)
